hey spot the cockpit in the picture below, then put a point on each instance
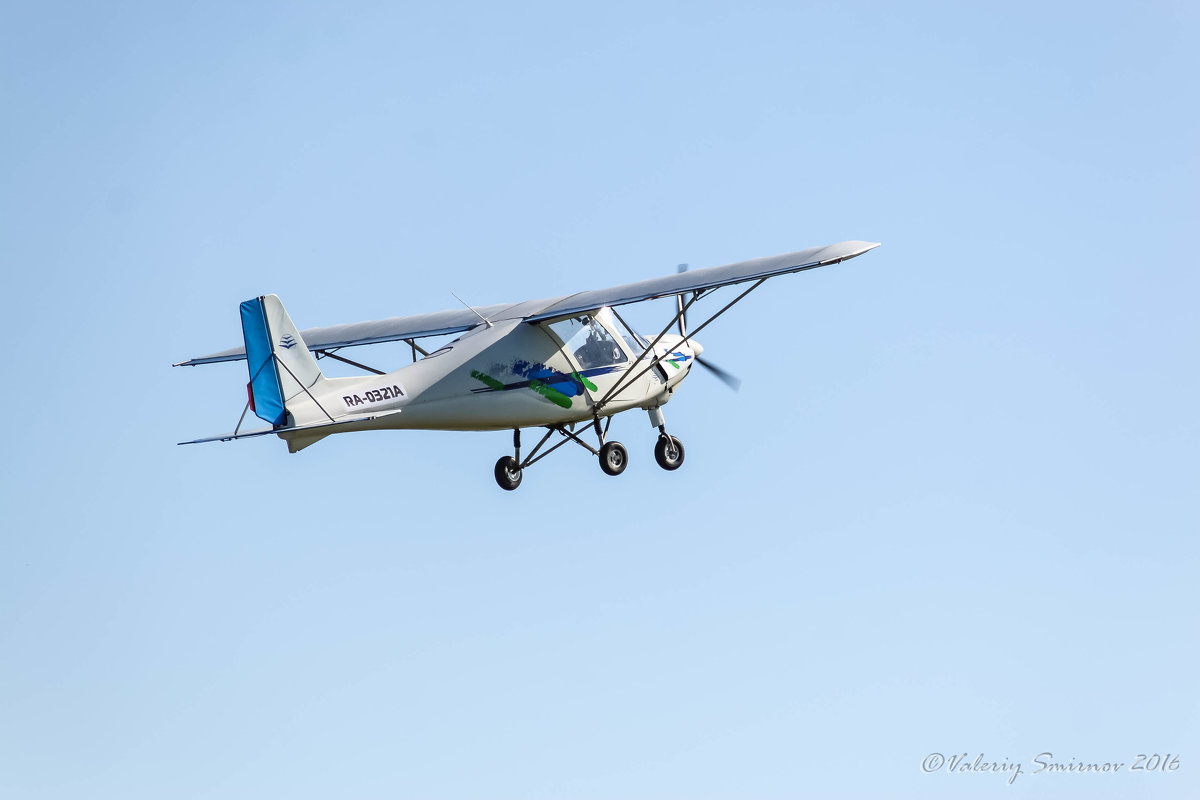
(589, 341)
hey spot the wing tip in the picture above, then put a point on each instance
(848, 249)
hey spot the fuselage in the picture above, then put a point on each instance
(513, 374)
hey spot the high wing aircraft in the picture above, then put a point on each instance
(563, 364)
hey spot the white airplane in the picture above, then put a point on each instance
(553, 364)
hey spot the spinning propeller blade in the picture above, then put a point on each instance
(727, 378)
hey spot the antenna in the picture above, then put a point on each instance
(486, 321)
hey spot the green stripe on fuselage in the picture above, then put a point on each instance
(491, 382)
(548, 392)
(583, 379)
(551, 394)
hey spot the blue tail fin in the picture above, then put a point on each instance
(266, 395)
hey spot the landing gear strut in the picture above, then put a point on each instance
(508, 468)
(668, 451)
(612, 455)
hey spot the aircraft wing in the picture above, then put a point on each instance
(708, 278)
(459, 320)
(393, 329)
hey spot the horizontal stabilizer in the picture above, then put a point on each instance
(229, 437)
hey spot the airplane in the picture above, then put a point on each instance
(562, 364)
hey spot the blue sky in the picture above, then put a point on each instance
(952, 508)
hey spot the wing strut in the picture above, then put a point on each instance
(344, 360)
(416, 348)
(623, 384)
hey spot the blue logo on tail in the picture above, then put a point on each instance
(287, 342)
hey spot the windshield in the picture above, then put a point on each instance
(589, 342)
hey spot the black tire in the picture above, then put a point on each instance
(508, 473)
(614, 458)
(668, 452)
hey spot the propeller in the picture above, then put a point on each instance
(725, 377)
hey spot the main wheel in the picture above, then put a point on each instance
(508, 473)
(668, 452)
(613, 458)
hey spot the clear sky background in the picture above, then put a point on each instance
(952, 510)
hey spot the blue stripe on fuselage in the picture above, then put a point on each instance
(561, 382)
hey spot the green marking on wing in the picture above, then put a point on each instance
(551, 394)
(672, 363)
(583, 379)
(488, 380)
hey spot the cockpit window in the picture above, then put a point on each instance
(633, 343)
(589, 342)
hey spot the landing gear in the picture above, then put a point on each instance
(613, 458)
(668, 452)
(508, 473)
(612, 455)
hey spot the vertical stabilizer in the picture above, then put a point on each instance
(281, 366)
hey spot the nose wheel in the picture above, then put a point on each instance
(668, 452)
(508, 473)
